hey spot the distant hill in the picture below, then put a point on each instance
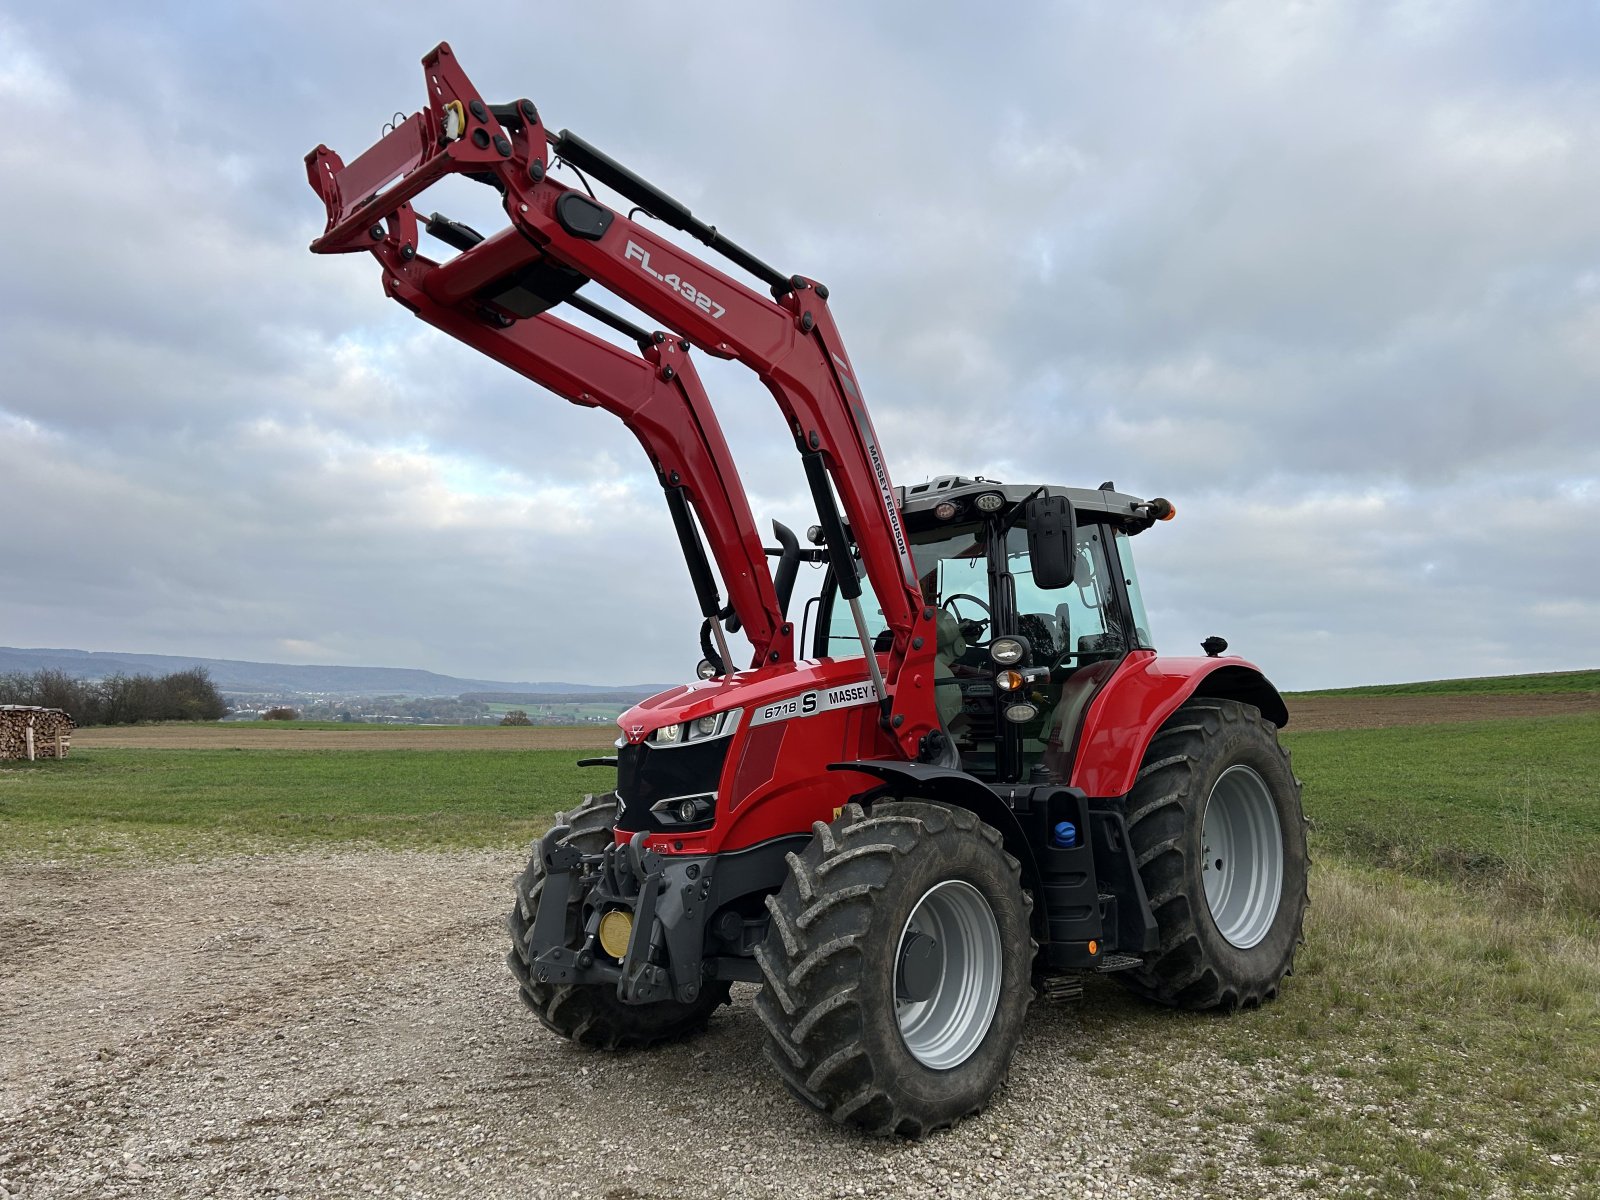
(241, 677)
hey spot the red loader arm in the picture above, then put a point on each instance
(659, 398)
(559, 239)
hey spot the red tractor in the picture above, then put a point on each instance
(968, 778)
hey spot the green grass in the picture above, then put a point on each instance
(208, 801)
(1429, 1043)
(1492, 685)
(1512, 805)
(1441, 1033)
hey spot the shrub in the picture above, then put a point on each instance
(282, 713)
(515, 717)
(120, 699)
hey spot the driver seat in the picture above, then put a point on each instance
(949, 645)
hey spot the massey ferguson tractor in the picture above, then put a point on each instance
(961, 777)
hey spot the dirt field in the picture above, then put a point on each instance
(242, 735)
(338, 1025)
(1378, 712)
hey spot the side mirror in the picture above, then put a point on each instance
(1052, 541)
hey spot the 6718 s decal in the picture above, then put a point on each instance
(809, 703)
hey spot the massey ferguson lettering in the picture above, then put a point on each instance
(637, 253)
(808, 704)
(856, 693)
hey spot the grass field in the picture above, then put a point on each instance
(1440, 1037)
(114, 801)
(1511, 805)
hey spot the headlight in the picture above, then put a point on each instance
(713, 726)
(989, 502)
(1008, 652)
(1020, 713)
(699, 730)
(685, 810)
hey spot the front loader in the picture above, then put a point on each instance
(963, 778)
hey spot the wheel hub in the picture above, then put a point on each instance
(947, 970)
(921, 964)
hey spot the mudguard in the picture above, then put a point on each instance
(961, 790)
(1142, 693)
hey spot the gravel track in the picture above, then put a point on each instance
(343, 1025)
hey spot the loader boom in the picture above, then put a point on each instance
(494, 296)
(659, 397)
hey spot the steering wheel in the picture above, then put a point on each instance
(970, 629)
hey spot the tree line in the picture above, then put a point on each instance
(120, 699)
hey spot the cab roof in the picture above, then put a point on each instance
(924, 497)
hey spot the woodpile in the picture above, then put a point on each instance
(32, 733)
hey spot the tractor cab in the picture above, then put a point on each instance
(1019, 654)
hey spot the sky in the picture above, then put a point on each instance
(1325, 274)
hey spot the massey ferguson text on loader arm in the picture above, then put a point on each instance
(559, 239)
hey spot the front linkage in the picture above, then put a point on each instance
(658, 905)
(624, 917)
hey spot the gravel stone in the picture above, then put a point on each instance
(339, 1024)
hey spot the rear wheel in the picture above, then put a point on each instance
(896, 969)
(1218, 833)
(591, 1013)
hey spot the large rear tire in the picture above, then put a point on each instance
(591, 1014)
(896, 969)
(1220, 839)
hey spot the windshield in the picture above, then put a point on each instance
(949, 562)
(1076, 630)
(953, 565)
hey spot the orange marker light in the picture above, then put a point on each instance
(1094, 946)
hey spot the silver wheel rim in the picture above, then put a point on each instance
(943, 1030)
(1243, 867)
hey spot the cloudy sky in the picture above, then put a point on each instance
(1327, 275)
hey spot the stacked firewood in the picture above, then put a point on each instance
(32, 733)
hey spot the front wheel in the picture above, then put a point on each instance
(1216, 826)
(896, 969)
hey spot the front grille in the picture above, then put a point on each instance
(648, 773)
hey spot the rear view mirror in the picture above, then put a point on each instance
(1052, 541)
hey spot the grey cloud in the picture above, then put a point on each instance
(1327, 275)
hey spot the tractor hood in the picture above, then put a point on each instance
(769, 694)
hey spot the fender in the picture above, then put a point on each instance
(961, 790)
(1141, 694)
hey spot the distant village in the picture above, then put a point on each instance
(472, 709)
